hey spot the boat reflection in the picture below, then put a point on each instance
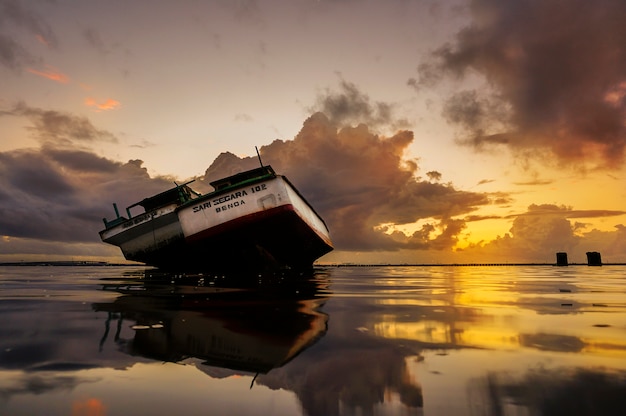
(251, 325)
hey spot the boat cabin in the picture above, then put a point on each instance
(250, 176)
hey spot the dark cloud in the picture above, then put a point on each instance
(351, 106)
(556, 71)
(500, 198)
(472, 218)
(62, 195)
(566, 212)
(476, 114)
(594, 213)
(360, 184)
(143, 144)
(14, 17)
(13, 13)
(94, 40)
(12, 54)
(28, 171)
(78, 160)
(60, 128)
(433, 175)
(246, 10)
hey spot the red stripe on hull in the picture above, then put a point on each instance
(279, 231)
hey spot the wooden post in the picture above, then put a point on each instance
(594, 258)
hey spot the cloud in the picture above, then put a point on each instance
(60, 128)
(13, 15)
(532, 237)
(359, 181)
(247, 11)
(54, 194)
(143, 144)
(12, 54)
(594, 213)
(42, 40)
(556, 71)
(545, 229)
(350, 106)
(61, 191)
(501, 198)
(535, 182)
(94, 40)
(473, 218)
(244, 118)
(571, 388)
(611, 244)
(106, 105)
(566, 212)
(51, 73)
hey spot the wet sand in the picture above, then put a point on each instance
(517, 340)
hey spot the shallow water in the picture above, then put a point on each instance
(535, 340)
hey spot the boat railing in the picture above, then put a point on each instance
(178, 195)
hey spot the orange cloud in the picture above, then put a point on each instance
(51, 73)
(90, 407)
(616, 94)
(42, 40)
(108, 104)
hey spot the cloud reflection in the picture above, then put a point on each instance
(553, 392)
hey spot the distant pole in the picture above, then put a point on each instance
(561, 259)
(594, 258)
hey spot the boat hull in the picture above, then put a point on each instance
(152, 238)
(261, 225)
(265, 224)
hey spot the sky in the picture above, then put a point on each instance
(460, 131)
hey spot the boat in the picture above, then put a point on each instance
(254, 221)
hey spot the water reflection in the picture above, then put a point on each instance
(236, 324)
(345, 341)
(551, 392)
(236, 328)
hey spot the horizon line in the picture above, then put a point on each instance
(105, 263)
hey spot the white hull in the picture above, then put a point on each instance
(209, 214)
(259, 220)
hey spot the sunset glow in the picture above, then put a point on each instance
(51, 74)
(108, 104)
(462, 131)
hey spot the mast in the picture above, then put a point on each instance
(258, 155)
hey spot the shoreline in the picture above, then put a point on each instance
(332, 265)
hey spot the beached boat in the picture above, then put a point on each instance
(254, 220)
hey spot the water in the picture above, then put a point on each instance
(533, 340)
